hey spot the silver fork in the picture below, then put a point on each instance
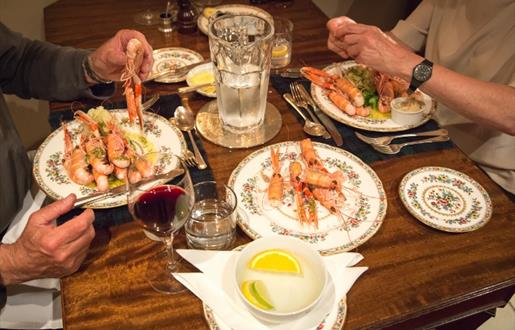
(392, 149)
(189, 158)
(299, 100)
(385, 140)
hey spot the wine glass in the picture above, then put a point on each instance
(147, 17)
(162, 210)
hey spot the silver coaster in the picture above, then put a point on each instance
(209, 126)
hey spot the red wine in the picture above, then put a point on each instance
(162, 209)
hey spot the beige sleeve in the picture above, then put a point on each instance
(413, 30)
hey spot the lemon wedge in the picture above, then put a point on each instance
(257, 294)
(275, 260)
(280, 50)
(209, 11)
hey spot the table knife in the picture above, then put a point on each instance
(324, 119)
(122, 190)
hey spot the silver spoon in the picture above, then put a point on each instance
(310, 127)
(185, 120)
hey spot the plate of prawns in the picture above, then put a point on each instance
(101, 150)
(358, 96)
(323, 195)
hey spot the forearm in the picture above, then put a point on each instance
(484, 102)
(8, 273)
(41, 70)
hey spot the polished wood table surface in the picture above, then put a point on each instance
(417, 277)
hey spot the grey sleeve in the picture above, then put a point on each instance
(31, 68)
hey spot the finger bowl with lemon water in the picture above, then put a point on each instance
(279, 277)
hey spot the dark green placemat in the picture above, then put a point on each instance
(359, 148)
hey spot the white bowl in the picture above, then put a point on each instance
(203, 69)
(307, 256)
(403, 115)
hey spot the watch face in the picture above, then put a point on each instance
(422, 72)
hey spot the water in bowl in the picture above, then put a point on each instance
(287, 292)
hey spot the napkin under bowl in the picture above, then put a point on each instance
(304, 253)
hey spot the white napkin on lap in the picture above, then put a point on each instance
(34, 304)
(215, 288)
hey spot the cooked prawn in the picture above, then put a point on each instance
(275, 186)
(132, 82)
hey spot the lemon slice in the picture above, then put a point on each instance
(280, 51)
(275, 260)
(209, 11)
(257, 294)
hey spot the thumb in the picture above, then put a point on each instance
(50, 212)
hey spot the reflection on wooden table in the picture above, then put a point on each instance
(417, 276)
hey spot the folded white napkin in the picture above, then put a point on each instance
(34, 304)
(215, 288)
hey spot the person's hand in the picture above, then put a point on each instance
(46, 250)
(370, 46)
(108, 60)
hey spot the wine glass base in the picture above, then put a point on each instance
(159, 275)
(149, 17)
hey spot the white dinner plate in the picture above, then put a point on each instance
(362, 213)
(365, 123)
(203, 21)
(173, 58)
(445, 199)
(52, 178)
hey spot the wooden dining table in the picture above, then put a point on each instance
(418, 277)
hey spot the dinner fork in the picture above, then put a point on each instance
(299, 100)
(385, 140)
(189, 158)
(392, 149)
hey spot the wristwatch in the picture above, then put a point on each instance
(421, 73)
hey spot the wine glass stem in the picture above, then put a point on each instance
(169, 250)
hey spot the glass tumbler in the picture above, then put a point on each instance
(241, 48)
(282, 45)
(212, 221)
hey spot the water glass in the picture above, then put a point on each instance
(282, 44)
(241, 47)
(212, 221)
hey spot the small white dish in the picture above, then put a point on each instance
(202, 74)
(312, 264)
(410, 110)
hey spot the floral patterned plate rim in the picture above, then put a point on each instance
(365, 123)
(51, 177)
(336, 318)
(362, 213)
(173, 57)
(445, 199)
(234, 9)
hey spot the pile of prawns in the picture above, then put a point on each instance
(102, 153)
(348, 98)
(311, 182)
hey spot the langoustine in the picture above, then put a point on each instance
(74, 161)
(340, 91)
(132, 82)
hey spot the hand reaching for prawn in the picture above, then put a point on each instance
(109, 60)
(370, 46)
